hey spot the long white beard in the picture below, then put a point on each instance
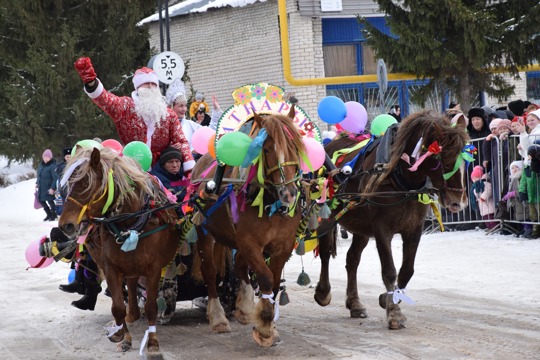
(150, 105)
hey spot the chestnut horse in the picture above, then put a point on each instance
(256, 231)
(108, 193)
(383, 203)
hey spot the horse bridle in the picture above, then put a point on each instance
(108, 190)
(279, 167)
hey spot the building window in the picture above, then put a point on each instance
(340, 60)
(533, 87)
(369, 62)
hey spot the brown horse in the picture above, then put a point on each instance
(256, 233)
(393, 206)
(104, 186)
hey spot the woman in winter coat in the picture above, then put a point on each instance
(478, 125)
(46, 184)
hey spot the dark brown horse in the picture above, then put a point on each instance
(256, 233)
(394, 206)
(103, 186)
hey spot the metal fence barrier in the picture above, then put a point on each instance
(497, 155)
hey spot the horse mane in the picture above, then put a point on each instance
(287, 139)
(127, 173)
(431, 127)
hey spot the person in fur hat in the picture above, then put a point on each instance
(478, 125)
(517, 107)
(490, 150)
(143, 117)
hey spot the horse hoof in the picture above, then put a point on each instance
(261, 340)
(359, 313)
(382, 301)
(396, 325)
(116, 338)
(242, 317)
(221, 328)
(322, 300)
(154, 355)
(124, 346)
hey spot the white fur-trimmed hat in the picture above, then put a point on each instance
(517, 163)
(145, 75)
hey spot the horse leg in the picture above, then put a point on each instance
(357, 310)
(277, 262)
(214, 310)
(134, 313)
(396, 320)
(323, 294)
(150, 309)
(245, 299)
(119, 331)
(263, 331)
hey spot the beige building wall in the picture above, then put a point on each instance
(520, 90)
(229, 47)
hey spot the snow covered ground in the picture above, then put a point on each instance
(456, 268)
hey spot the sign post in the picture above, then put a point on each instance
(168, 66)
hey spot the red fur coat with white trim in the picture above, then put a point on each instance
(131, 127)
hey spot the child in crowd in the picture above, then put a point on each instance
(518, 209)
(484, 195)
(528, 186)
(198, 104)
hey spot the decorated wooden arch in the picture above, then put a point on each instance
(262, 98)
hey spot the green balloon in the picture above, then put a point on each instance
(381, 123)
(86, 144)
(140, 152)
(231, 149)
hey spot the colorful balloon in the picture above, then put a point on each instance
(381, 123)
(86, 144)
(71, 276)
(212, 146)
(200, 138)
(356, 119)
(332, 110)
(32, 255)
(113, 144)
(231, 149)
(315, 153)
(140, 152)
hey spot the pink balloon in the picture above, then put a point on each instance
(32, 255)
(200, 139)
(315, 154)
(356, 118)
(113, 144)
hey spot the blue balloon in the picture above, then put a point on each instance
(71, 276)
(332, 110)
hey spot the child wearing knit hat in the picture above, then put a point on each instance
(483, 194)
(519, 210)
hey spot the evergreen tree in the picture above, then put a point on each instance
(42, 97)
(463, 45)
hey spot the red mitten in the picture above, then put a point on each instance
(85, 69)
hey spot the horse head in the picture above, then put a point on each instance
(99, 182)
(428, 146)
(280, 155)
